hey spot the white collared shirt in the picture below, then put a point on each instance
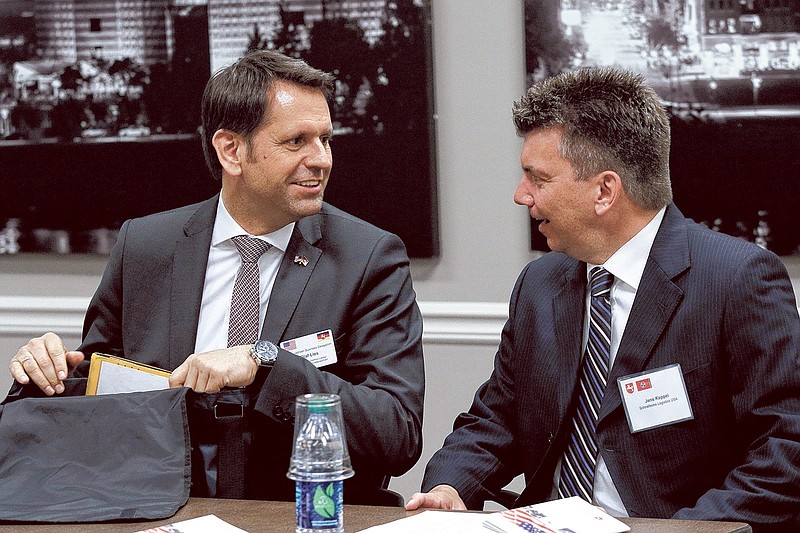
(223, 264)
(627, 265)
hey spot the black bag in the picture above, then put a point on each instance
(180, 441)
(75, 458)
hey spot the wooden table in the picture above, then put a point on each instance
(279, 517)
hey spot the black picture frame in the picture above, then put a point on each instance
(728, 73)
(77, 161)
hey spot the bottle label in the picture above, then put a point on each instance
(319, 505)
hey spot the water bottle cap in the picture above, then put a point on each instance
(318, 408)
(319, 403)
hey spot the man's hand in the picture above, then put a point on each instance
(45, 361)
(212, 371)
(440, 497)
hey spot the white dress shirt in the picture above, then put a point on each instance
(627, 265)
(223, 264)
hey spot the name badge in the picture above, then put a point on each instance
(655, 398)
(317, 348)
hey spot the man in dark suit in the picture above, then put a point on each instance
(699, 414)
(168, 294)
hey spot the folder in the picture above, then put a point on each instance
(109, 374)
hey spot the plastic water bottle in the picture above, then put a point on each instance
(319, 464)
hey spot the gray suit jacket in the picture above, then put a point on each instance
(722, 308)
(356, 283)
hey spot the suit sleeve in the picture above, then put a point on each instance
(381, 381)
(761, 335)
(102, 325)
(479, 457)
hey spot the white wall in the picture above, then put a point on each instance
(478, 62)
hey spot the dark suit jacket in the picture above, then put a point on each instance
(722, 308)
(356, 283)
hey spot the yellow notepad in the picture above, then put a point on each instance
(109, 374)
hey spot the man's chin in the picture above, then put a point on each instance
(552, 243)
(307, 208)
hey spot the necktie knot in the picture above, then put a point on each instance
(600, 282)
(250, 248)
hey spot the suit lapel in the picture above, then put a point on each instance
(292, 277)
(188, 277)
(656, 301)
(567, 305)
(568, 314)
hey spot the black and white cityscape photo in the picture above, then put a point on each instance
(99, 110)
(728, 72)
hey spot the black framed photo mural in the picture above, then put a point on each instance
(728, 72)
(99, 110)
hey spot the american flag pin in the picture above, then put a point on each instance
(300, 260)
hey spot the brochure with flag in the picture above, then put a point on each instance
(568, 515)
(109, 374)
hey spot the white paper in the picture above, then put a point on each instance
(118, 378)
(203, 524)
(567, 514)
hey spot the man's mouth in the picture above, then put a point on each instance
(310, 184)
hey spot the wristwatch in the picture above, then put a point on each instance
(264, 353)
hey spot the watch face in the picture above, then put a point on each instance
(265, 352)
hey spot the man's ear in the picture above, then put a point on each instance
(227, 145)
(609, 191)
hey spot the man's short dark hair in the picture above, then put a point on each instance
(236, 98)
(610, 120)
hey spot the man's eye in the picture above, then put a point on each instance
(538, 181)
(296, 141)
(326, 140)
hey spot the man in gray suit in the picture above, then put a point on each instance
(167, 294)
(671, 386)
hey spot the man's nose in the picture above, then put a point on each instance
(522, 196)
(320, 157)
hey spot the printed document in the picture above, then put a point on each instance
(572, 515)
(202, 524)
(109, 374)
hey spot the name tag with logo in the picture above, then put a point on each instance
(655, 398)
(317, 348)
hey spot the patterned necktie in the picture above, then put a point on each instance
(243, 327)
(580, 457)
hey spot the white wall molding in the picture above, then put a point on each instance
(457, 323)
(35, 315)
(444, 322)
(463, 322)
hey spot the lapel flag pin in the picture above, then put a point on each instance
(300, 260)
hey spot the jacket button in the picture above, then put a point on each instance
(284, 415)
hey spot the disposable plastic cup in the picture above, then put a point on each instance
(308, 465)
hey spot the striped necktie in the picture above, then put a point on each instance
(243, 326)
(580, 457)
